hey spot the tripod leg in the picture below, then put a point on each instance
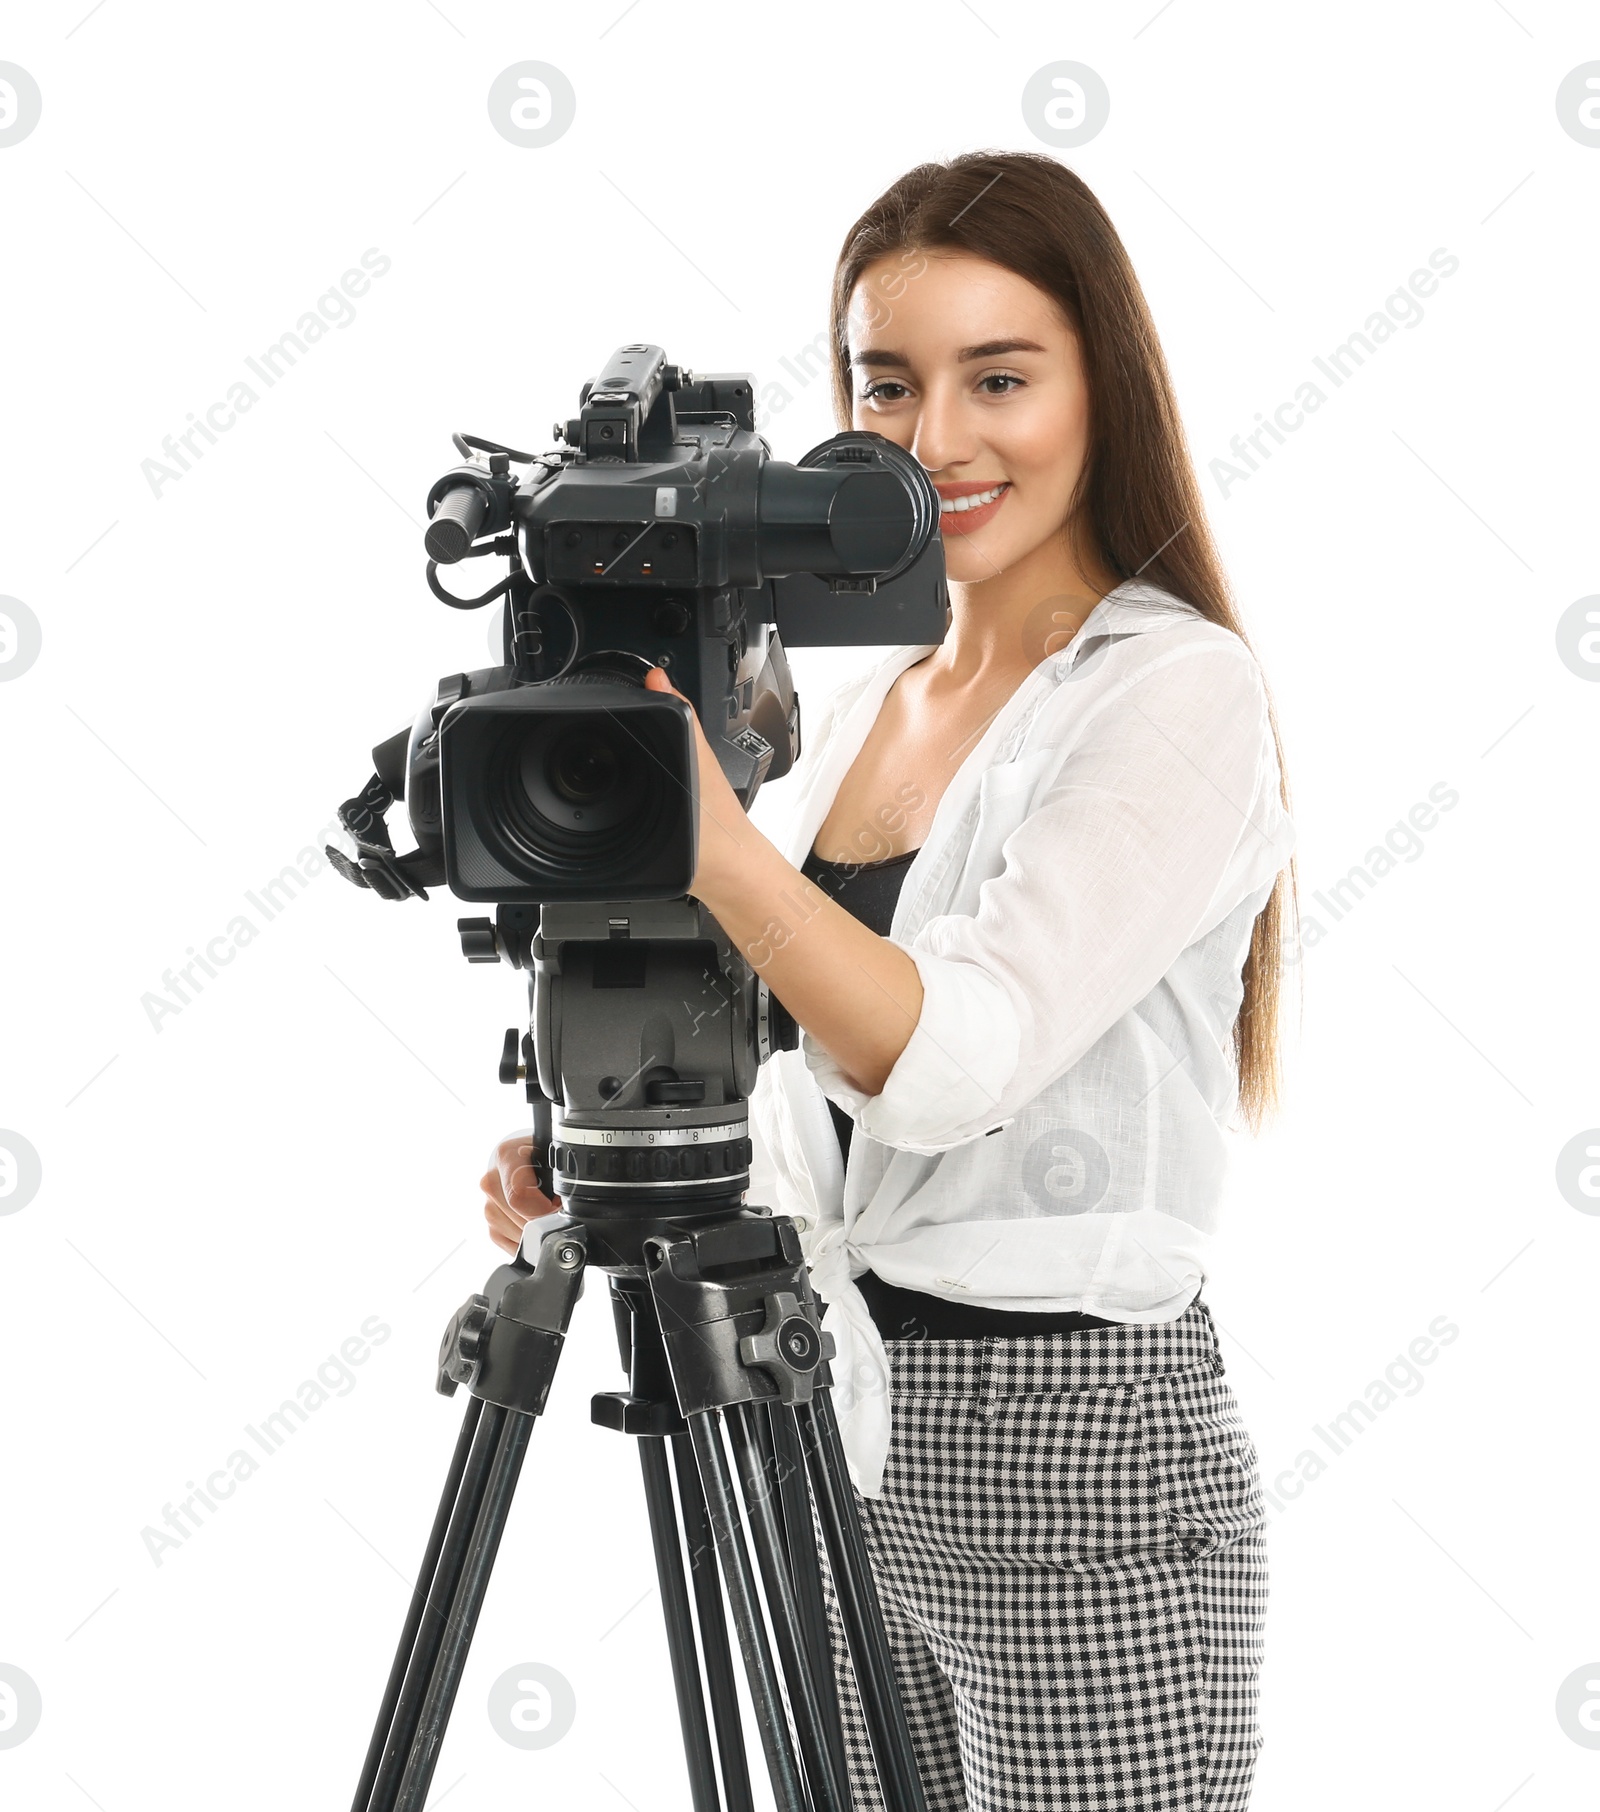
(680, 1631)
(761, 1483)
(419, 1599)
(794, 1508)
(728, 1532)
(859, 1609)
(513, 1432)
(713, 1630)
(401, 1728)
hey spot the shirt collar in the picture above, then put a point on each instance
(1131, 608)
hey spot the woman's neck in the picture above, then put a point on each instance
(1010, 622)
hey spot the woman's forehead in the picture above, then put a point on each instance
(946, 304)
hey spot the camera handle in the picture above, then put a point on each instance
(376, 865)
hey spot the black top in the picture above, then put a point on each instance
(869, 891)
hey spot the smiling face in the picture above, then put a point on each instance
(976, 372)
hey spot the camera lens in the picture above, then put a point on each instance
(582, 767)
(575, 795)
(578, 779)
(573, 790)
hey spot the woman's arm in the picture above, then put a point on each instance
(1162, 816)
(857, 994)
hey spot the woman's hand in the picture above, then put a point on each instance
(749, 885)
(513, 1195)
(723, 820)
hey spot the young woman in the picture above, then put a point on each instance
(1028, 915)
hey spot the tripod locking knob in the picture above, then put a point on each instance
(789, 1347)
(462, 1346)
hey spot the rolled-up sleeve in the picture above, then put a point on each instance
(1162, 816)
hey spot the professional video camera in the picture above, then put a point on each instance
(662, 533)
(558, 788)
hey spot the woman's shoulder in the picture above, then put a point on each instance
(1157, 621)
(818, 723)
(836, 701)
(1139, 629)
(1141, 639)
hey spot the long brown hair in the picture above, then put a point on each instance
(1138, 504)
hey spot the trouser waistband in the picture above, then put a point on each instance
(902, 1314)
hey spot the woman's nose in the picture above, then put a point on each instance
(940, 438)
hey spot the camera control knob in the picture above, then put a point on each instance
(511, 1069)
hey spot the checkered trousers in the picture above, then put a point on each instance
(1068, 1550)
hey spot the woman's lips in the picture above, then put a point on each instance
(964, 522)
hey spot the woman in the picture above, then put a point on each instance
(1028, 916)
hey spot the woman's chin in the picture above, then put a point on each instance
(970, 559)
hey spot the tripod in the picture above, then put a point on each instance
(717, 1324)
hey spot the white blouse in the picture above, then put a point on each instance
(1053, 1135)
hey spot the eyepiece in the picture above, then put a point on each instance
(858, 504)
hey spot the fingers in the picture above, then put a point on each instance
(506, 1234)
(656, 681)
(519, 1182)
(491, 1186)
(512, 1196)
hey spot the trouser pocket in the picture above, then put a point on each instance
(1203, 1464)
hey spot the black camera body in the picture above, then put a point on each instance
(660, 533)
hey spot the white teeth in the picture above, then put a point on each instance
(976, 501)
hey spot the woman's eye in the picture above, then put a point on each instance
(879, 392)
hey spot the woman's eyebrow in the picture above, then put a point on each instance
(990, 349)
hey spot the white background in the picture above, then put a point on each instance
(297, 1149)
